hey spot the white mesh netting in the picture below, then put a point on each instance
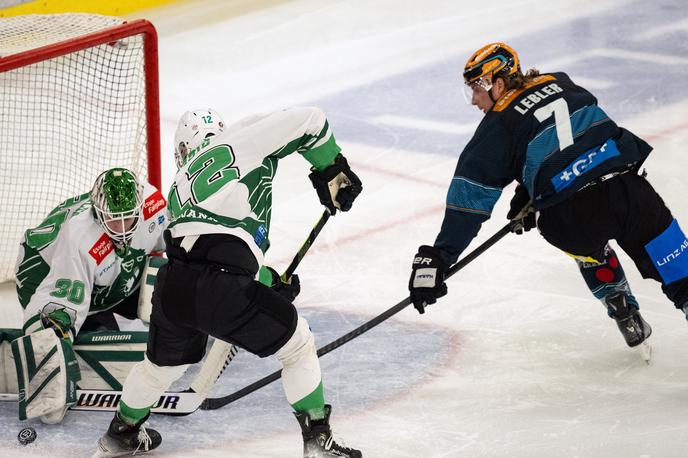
(64, 120)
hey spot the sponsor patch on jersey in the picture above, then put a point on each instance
(259, 236)
(101, 249)
(161, 219)
(669, 253)
(153, 204)
(583, 164)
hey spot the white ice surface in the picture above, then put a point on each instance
(519, 360)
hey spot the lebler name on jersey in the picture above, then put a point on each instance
(529, 101)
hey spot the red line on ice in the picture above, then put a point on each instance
(668, 132)
(403, 176)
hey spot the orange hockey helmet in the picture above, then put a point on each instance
(493, 60)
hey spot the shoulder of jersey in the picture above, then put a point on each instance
(154, 202)
(84, 233)
(512, 96)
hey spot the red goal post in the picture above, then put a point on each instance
(78, 95)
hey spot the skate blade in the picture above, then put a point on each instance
(645, 351)
(103, 453)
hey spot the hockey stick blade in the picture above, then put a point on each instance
(216, 403)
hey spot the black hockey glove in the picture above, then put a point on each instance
(521, 212)
(337, 186)
(427, 277)
(288, 290)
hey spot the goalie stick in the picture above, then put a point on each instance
(170, 403)
(216, 403)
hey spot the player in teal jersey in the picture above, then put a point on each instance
(577, 169)
(220, 203)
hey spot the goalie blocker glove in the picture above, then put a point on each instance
(337, 186)
(521, 212)
(427, 277)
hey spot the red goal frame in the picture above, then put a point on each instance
(107, 35)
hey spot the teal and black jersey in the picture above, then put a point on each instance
(549, 136)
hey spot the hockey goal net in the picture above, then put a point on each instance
(78, 95)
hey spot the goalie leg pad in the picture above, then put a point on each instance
(106, 357)
(8, 372)
(301, 368)
(47, 373)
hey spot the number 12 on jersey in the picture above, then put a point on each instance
(209, 172)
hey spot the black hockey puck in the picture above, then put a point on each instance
(27, 435)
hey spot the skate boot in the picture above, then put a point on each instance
(632, 326)
(124, 439)
(317, 438)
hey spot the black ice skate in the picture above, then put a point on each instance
(123, 439)
(632, 326)
(317, 438)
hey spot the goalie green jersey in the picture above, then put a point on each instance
(70, 261)
(225, 186)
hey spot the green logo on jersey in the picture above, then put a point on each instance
(132, 262)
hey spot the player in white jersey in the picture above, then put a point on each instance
(220, 204)
(83, 262)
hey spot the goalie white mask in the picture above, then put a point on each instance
(194, 127)
(117, 198)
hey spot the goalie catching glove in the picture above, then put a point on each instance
(521, 211)
(337, 186)
(427, 277)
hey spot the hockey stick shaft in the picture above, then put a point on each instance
(216, 403)
(219, 356)
(306, 246)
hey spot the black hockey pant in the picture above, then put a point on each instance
(192, 300)
(627, 209)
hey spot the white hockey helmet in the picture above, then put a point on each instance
(117, 199)
(194, 127)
